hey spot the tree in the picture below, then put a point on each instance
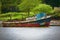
(27, 5)
(53, 3)
(9, 5)
(43, 8)
(0, 6)
(57, 11)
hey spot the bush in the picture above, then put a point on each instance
(14, 15)
(43, 8)
(57, 11)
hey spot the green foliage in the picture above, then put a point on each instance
(7, 5)
(27, 7)
(0, 6)
(57, 11)
(53, 3)
(28, 4)
(12, 2)
(43, 8)
(14, 15)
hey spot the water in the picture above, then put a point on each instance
(51, 33)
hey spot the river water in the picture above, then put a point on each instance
(49, 33)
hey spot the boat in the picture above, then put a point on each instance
(30, 22)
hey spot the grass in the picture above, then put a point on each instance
(14, 15)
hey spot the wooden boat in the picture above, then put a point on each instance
(33, 23)
(36, 21)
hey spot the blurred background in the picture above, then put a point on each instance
(21, 9)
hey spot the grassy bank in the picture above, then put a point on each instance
(15, 15)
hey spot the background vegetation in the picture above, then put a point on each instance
(21, 9)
